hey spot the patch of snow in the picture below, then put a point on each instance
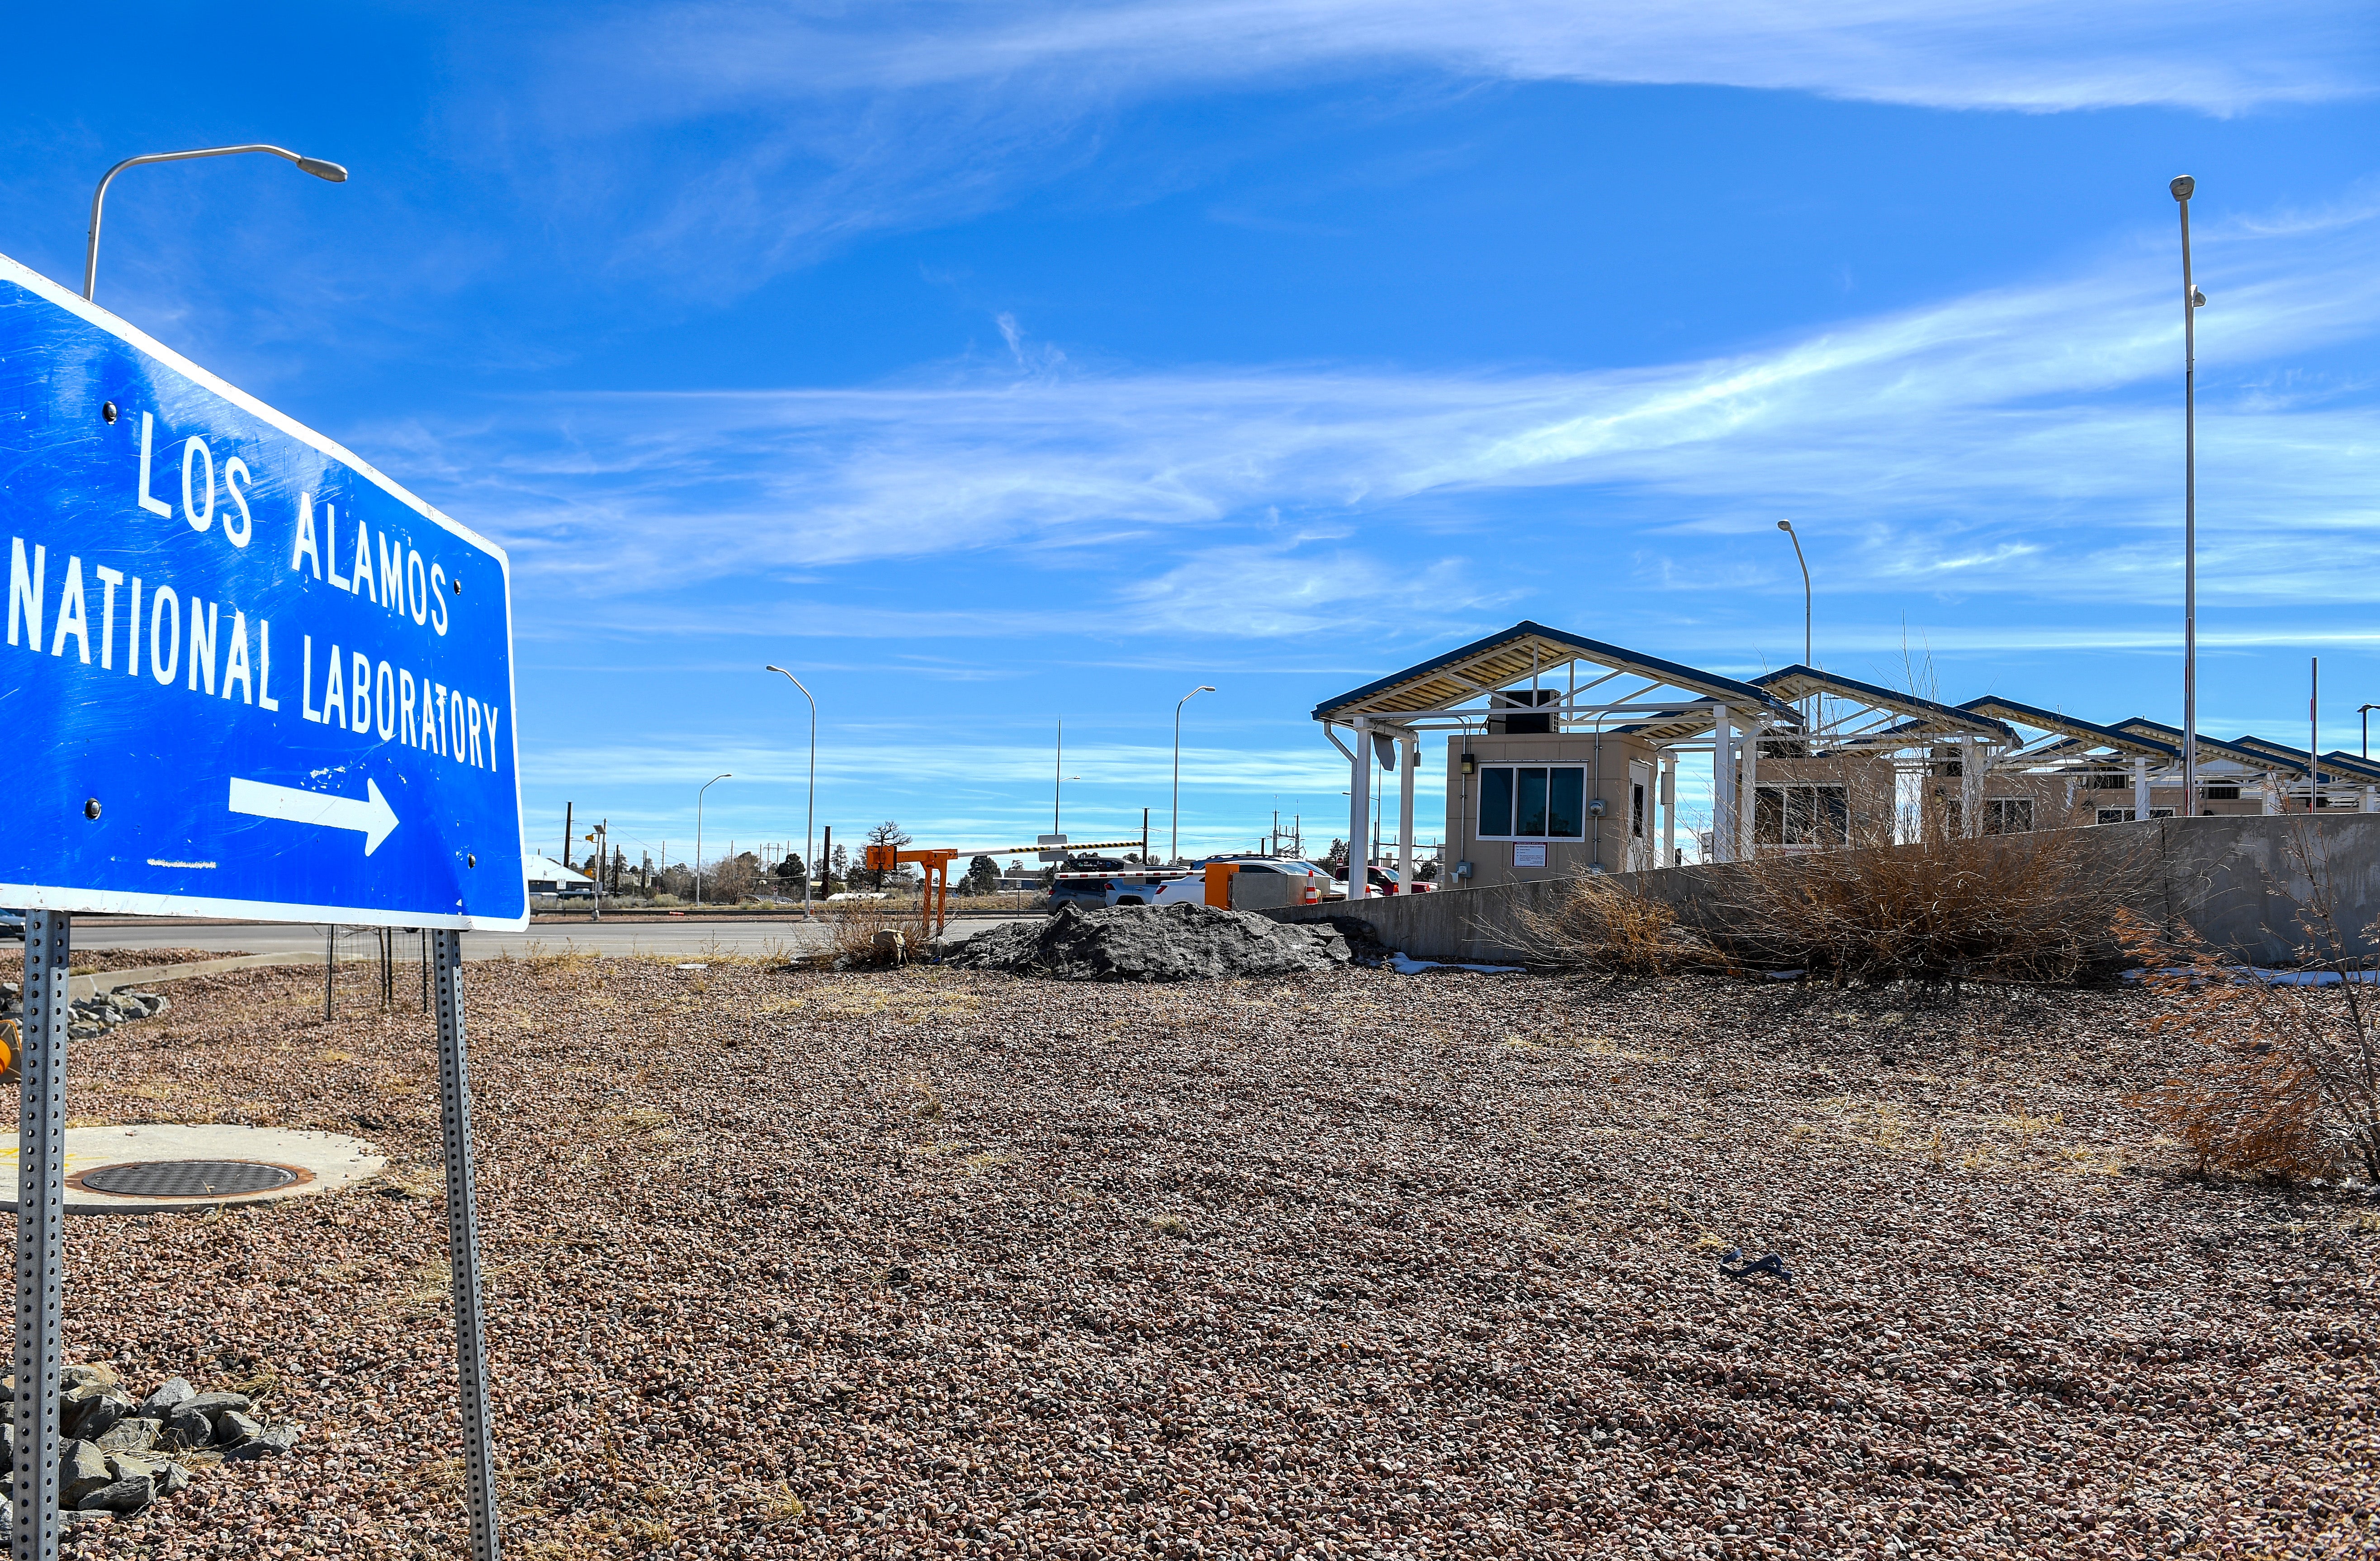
(1406, 966)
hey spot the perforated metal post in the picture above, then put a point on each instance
(41, 1235)
(463, 1247)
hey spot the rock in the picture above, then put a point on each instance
(72, 1377)
(188, 1428)
(125, 1466)
(1154, 943)
(89, 1411)
(175, 1477)
(82, 1468)
(133, 1433)
(7, 1437)
(271, 1442)
(162, 1404)
(231, 1428)
(212, 1404)
(126, 1496)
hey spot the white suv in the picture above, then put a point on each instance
(1192, 891)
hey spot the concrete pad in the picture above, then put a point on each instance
(92, 985)
(325, 1162)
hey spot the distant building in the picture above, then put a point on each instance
(548, 876)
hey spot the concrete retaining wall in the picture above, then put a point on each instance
(2231, 879)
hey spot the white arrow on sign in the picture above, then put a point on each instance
(373, 816)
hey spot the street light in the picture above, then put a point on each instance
(698, 831)
(331, 172)
(1202, 688)
(810, 814)
(2193, 300)
(1786, 528)
(2365, 711)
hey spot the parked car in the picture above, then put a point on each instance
(1094, 881)
(12, 925)
(1192, 889)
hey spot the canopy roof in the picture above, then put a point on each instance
(2141, 726)
(2086, 733)
(1528, 651)
(1925, 718)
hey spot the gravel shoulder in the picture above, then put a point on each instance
(932, 1260)
(87, 960)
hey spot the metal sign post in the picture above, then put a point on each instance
(463, 1247)
(41, 1235)
(263, 682)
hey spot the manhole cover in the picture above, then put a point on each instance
(186, 1179)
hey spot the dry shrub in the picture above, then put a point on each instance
(1610, 925)
(2005, 908)
(854, 940)
(2037, 907)
(2291, 1086)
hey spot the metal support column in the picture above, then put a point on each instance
(1408, 772)
(1669, 808)
(2140, 788)
(1747, 797)
(462, 1247)
(1970, 788)
(1359, 815)
(41, 1235)
(1722, 834)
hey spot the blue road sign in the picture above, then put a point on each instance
(245, 673)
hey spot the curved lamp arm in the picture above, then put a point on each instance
(314, 165)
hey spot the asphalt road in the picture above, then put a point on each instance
(684, 939)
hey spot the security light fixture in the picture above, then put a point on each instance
(332, 172)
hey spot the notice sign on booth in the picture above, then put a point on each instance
(249, 675)
(1530, 855)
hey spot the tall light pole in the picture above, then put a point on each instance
(1786, 528)
(810, 812)
(2193, 300)
(314, 165)
(1203, 688)
(2365, 711)
(698, 831)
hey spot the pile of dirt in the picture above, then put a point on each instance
(1153, 943)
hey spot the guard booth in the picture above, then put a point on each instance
(1561, 755)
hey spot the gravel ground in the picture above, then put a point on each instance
(932, 1262)
(83, 960)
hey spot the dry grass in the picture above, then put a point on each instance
(2035, 908)
(2028, 908)
(2291, 1084)
(1610, 924)
(855, 934)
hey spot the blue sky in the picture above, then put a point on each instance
(991, 365)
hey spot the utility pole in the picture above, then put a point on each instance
(566, 836)
(2193, 300)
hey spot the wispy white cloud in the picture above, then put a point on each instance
(812, 125)
(2020, 439)
(2220, 57)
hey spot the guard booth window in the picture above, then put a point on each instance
(2008, 816)
(1801, 815)
(1532, 802)
(1636, 810)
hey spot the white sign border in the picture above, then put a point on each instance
(31, 897)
